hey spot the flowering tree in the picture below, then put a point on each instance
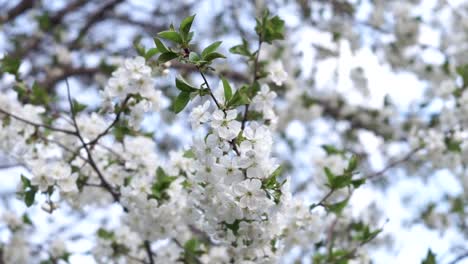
(191, 144)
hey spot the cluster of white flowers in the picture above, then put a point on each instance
(236, 208)
(131, 78)
(50, 173)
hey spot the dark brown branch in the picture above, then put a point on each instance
(92, 20)
(57, 17)
(149, 251)
(51, 81)
(16, 11)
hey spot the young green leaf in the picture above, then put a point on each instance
(105, 234)
(239, 98)
(161, 47)
(10, 65)
(213, 56)
(338, 207)
(269, 29)
(167, 56)
(189, 154)
(180, 102)
(39, 95)
(430, 258)
(139, 49)
(194, 57)
(331, 150)
(150, 53)
(211, 48)
(171, 35)
(352, 164)
(227, 90)
(242, 49)
(29, 195)
(182, 85)
(77, 107)
(162, 183)
(358, 182)
(186, 24)
(27, 220)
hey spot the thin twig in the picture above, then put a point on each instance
(65, 131)
(116, 119)
(209, 88)
(392, 164)
(105, 184)
(149, 252)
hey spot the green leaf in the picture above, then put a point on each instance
(194, 57)
(186, 24)
(337, 181)
(162, 183)
(105, 234)
(272, 186)
(211, 48)
(463, 72)
(161, 47)
(189, 154)
(77, 107)
(39, 95)
(121, 129)
(242, 49)
(10, 65)
(276, 173)
(167, 56)
(358, 182)
(29, 196)
(192, 250)
(338, 207)
(457, 205)
(269, 29)
(44, 21)
(213, 56)
(150, 53)
(139, 49)
(239, 98)
(330, 175)
(227, 90)
(453, 145)
(180, 102)
(182, 85)
(430, 258)
(25, 181)
(352, 164)
(29, 191)
(331, 150)
(27, 220)
(171, 35)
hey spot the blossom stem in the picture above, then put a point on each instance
(209, 88)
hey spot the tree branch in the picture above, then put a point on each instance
(16, 11)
